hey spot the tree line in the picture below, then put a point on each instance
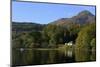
(50, 36)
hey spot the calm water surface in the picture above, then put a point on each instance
(38, 57)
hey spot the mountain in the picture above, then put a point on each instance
(81, 18)
(26, 26)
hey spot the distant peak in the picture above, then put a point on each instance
(85, 12)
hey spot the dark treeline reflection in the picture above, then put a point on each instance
(85, 55)
(36, 57)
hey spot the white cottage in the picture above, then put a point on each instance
(69, 44)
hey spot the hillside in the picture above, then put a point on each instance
(83, 17)
(26, 26)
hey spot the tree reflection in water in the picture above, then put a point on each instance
(37, 57)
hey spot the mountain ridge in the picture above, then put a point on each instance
(81, 18)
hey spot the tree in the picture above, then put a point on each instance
(54, 34)
(84, 42)
(85, 36)
(93, 42)
(35, 38)
(49, 35)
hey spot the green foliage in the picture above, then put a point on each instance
(93, 42)
(50, 36)
(32, 39)
(85, 36)
(21, 27)
(53, 34)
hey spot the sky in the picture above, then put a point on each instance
(45, 13)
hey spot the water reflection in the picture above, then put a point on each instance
(36, 57)
(69, 53)
(85, 55)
